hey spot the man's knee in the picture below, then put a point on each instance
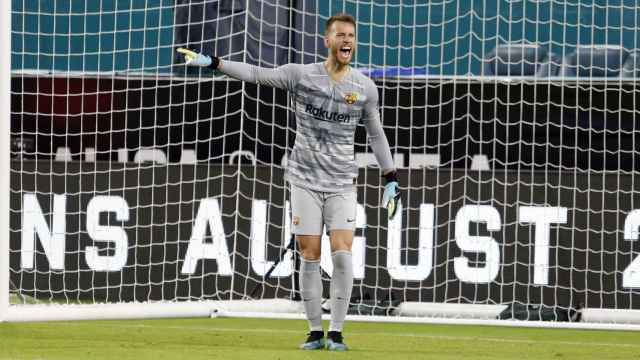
(309, 246)
(310, 255)
(341, 240)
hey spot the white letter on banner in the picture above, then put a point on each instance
(259, 262)
(631, 274)
(208, 214)
(112, 234)
(53, 241)
(358, 248)
(478, 244)
(422, 270)
(542, 217)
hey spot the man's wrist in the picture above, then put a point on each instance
(215, 62)
(391, 176)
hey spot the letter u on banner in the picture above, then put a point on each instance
(422, 270)
(477, 244)
(259, 262)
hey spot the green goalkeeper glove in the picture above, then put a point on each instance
(391, 197)
(192, 58)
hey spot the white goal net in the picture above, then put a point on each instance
(141, 188)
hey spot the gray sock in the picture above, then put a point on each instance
(311, 289)
(341, 286)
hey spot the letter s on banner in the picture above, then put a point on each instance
(101, 233)
(479, 244)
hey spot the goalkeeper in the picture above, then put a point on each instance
(330, 99)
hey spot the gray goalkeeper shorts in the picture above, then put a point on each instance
(311, 209)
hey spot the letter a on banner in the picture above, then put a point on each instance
(208, 215)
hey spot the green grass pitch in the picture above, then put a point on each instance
(223, 338)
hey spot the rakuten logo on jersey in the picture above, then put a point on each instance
(322, 114)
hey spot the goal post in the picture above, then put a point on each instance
(135, 187)
(5, 140)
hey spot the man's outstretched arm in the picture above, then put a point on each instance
(283, 77)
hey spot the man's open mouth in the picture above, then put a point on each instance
(346, 51)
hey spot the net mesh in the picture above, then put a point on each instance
(513, 124)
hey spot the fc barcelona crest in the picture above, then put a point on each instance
(351, 98)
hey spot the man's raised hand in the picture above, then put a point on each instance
(193, 58)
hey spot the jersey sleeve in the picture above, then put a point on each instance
(283, 77)
(377, 138)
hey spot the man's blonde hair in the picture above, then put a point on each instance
(344, 17)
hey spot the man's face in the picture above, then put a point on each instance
(341, 41)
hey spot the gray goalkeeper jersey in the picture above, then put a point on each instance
(327, 114)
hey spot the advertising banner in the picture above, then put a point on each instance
(132, 232)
